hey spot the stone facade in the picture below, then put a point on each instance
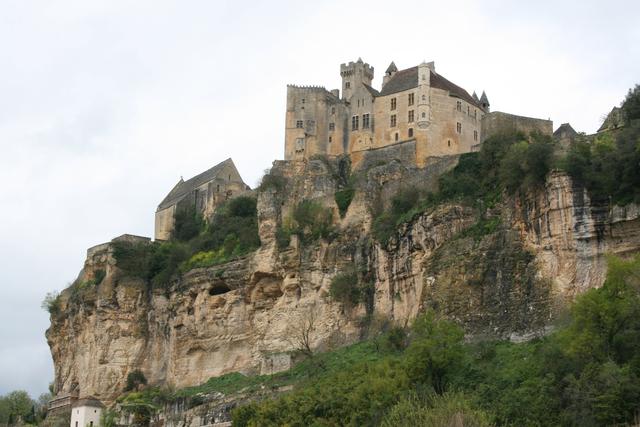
(414, 105)
(204, 191)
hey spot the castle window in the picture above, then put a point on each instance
(229, 177)
(424, 115)
(365, 121)
(475, 135)
(449, 143)
(218, 188)
(396, 136)
(333, 110)
(459, 106)
(303, 100)
(329, 139)
(459, 127)
(332, 127)
(347, 85)
(468, 110)
(424, 97)
(411, 116)
(475, 114)
(410, 132)
(393, 120)
(411, 95)
(354, 122)
(299, 124)
(358, 103)
(393, 104)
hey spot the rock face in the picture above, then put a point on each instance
(249, 315)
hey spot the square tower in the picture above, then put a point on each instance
(353, 75)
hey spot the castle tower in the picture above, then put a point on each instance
(424, 101)
(353, 75)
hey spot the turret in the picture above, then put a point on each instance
(484, 102)
(424, 94)
(391, 70)
(354, 74)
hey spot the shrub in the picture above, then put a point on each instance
(135, 379)
(272, 181)
(344, 288)
(51, 303)
(631, 105)
(188, 223)
(310, 221)
(343, 200)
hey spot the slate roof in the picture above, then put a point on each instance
(182, 188)
(408, 79)
(565, 129)
(371, 90)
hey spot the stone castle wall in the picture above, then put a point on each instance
(498, 122)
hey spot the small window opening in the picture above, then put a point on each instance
(396, 137)
(410, 132)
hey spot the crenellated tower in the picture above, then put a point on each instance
(353, 75)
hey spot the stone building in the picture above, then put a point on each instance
(415, 106)
(204, 192)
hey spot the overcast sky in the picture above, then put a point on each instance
(105, 104)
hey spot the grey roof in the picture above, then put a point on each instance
(182, 188)
(371, 90)
(88, 401)
(484, 99)
(475, 96)
(392, 68)
(408, 79)
(565, 129)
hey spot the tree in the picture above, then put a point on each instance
(135, 379)
(300, 331)
(435, 352)
(631, 104)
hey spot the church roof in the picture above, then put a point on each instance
(182, 188)
(408, 79)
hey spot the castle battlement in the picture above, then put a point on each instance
(308, 87)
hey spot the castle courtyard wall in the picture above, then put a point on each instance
(498, 122)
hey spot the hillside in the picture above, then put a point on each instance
(497, 243)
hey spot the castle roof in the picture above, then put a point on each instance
(484, 99)
(371, 90)
(182, 188)
(392, 68)
(565, 131)
(408, 79)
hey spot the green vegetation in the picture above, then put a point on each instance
(344, 288)
(608, 166)
(586, 373)
(18, 406)
(232, 232)
(309, 220)
(631, 105)
(271, 181)
(51, 303)
(135, 380)
(343, 199)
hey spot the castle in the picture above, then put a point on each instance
(414, 106)
(416, 115)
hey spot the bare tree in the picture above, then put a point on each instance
(301, 330)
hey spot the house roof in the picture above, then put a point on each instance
(88, 401)
(182, 188)
(408, 79)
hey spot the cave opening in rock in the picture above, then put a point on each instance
(219, 289)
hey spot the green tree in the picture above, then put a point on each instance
(631, 104)
(436, 351)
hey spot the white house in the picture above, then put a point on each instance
(86, 412)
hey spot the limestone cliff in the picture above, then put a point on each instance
(245, 315)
